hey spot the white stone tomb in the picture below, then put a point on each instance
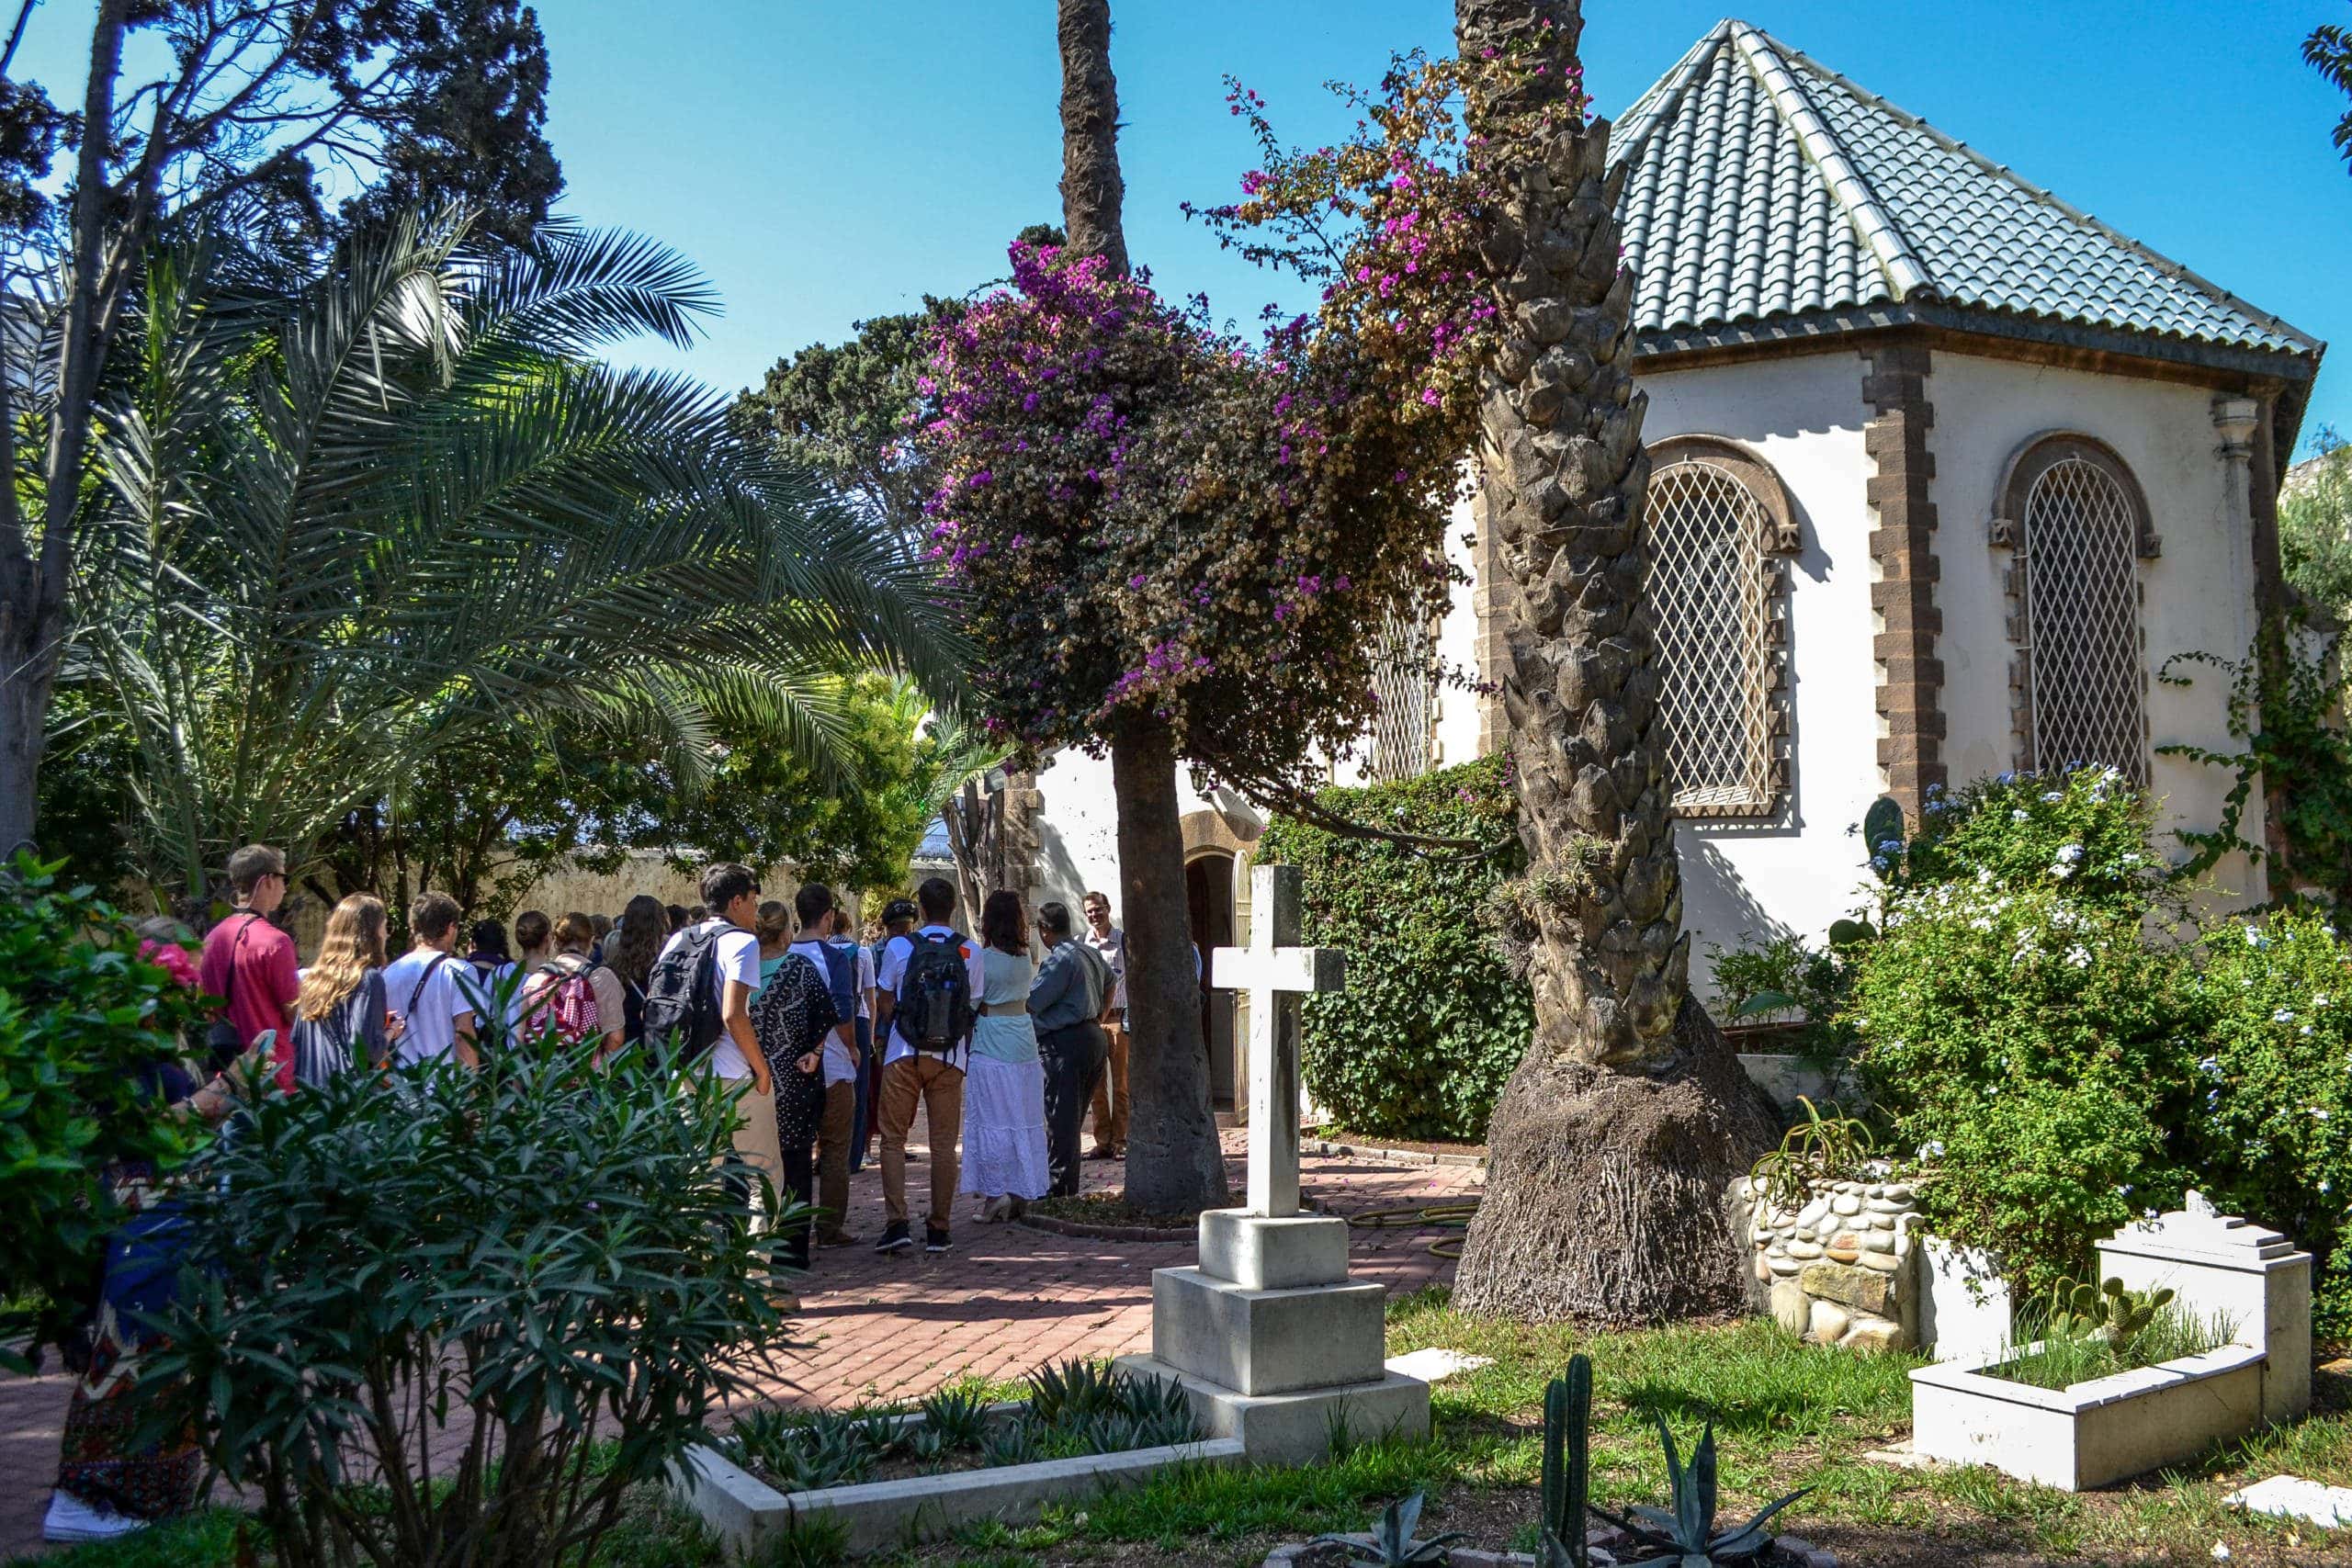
(2092, 1434)
(1269, 1337)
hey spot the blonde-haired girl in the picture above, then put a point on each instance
(339, 1014)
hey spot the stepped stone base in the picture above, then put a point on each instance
(1262, 1254)
(1257, 1342)
(1297, 1427)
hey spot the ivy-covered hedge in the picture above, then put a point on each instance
(1431, 1024)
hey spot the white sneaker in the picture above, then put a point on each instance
(71, 1520)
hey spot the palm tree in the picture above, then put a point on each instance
(1614, 1140)
(405, 510)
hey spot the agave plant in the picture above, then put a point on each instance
(405, 510)
(1390, 1543)
(959, 1417)
(1070, 1391)
(1686, 1534)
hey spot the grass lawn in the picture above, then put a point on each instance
(1786, 1415)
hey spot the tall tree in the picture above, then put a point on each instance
(1616, 1137)
(2328, 51)
(247, 106)
(403, 512)
(1174, 1159)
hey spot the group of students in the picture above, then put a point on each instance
(1001, 1054)
(827, 1042)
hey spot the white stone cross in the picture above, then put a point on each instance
(1277, 975)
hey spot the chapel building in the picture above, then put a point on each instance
(1945, 473)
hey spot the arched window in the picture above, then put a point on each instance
(1404, 726)
(2080, 526)
(1717, 521)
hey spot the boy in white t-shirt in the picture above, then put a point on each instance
(734, 1057)
(422, 990)
(812, 907)
(911, 1077)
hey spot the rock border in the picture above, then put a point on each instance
(1335, 1148)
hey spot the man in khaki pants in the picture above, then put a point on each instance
(934, 1078)
(1110, 944)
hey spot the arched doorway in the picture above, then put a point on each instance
(1208, 901)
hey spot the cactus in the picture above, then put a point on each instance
(2080, 1310)
(1567, 1463)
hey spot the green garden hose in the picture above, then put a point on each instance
(1452, 1214)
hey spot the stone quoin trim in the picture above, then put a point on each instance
(2012, 528)
(1764, 725)
(1906, 621)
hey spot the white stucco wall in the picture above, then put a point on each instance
(1080, 825)
(2198, 594)
(1798, 871)
(1803, 870)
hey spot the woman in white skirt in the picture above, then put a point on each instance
(1004, 1088)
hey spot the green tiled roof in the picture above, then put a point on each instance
(1763, 186)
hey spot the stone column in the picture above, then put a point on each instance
(1905, 620)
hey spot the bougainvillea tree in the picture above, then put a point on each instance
(1618, 1131)
(1179, 541)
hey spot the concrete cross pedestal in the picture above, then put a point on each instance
(1267, 1334)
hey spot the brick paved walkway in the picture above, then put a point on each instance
(895, 1326)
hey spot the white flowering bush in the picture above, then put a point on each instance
(2086, 830)
(2035, 1050)
(2066, 1054)
(2273, 1109)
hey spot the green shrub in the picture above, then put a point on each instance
(2273, 1109)
(2019, 1029)
(1785, 981)
(83, 1016)
(540, 1274)
(1432, 1020)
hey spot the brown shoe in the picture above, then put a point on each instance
(837, 1239)
(1101, 1152)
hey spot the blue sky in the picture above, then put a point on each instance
(827, 160)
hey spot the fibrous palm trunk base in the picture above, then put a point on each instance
(1605, 1190)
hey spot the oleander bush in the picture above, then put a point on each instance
(438, 1317)
(2035, 1052)
(1433, 1020)
(90, 1020)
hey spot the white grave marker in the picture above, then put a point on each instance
(1278, 975)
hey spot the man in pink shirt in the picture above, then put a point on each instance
(251, 961)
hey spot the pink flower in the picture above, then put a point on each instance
(172, 958)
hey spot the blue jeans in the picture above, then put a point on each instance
(859, 1124)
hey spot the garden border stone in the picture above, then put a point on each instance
(740, 1509)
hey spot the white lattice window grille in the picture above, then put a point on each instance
(2080, 527)
(1404, 722)
(1716, 590)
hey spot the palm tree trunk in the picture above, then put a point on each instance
(1613, 1144)
(1173, 1161)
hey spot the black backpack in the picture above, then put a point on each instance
(934, 1003)
(681, 996)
